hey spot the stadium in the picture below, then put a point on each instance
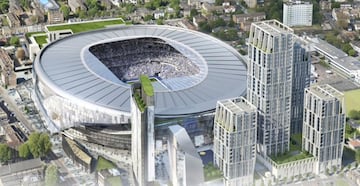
(84, 80)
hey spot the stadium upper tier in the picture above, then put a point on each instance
(194, 70)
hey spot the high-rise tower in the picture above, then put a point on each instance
(269, 85)
(235, 140)
(324, 126)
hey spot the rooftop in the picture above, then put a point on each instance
(325, 91)
(337, 55)
(274, 27)
(238, 105)
(20, 166)
(85, 26)
(67, 68)
(78, 151)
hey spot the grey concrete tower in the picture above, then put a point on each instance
(324, 126)
(235, 140)
(269, 86)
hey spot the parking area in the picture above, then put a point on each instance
(327, 75)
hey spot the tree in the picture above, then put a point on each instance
(130, 8)
(193, 13)
(219, 2)
(4, 6)
(66, 11)
(148, 17)
(51, 175)
(14, 41)
(354, 114)
(160, 21)
(357, 156)
(5, 153)
(39, 144)
(352, 52)
(335, 5)
(24, 151)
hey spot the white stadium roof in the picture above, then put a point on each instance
(69, 69)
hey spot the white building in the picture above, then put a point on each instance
(143, 135)
(186, 167)
(323, 128)
(349, 66)
(298, 13)
(235, 140)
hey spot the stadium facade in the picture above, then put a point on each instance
(83, 82)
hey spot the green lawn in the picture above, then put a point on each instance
(82, 27)
(341, 182)
(295, 142)
(147, 86)
(41, 40)
(211, 172)
(289, 157)
(352, 101)
(29, 34)
(103, 163)
(114, 181)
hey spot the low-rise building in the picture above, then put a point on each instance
(245, 20)
(159, 14)
(28, 172)
(13, 20)
(55, 16)
(8, 76)
(354, 144)
(78, 154)
(76, 5)
(105, 177)
(337, 58)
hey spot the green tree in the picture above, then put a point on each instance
(205, 27)
(39, 144)
(160, 21)
(219, 2)
(354, 114)
(346, 47)
(66, 11)
(51, 175)
(352, 52)
(130, 8)
(148, 17)
(4, 6)
(25, 4)
(335, 5)
(193, 13)
(14, 41)
(357, 156)
(24, 151)
(5, 153)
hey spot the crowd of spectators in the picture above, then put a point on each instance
(151, 56)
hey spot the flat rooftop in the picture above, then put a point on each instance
(325, 92)
(274, 27)
(238, 105)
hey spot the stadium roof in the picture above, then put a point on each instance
(67, 68)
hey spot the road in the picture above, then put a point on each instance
(20, 116)
(12, 105)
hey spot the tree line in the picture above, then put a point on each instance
(38, 145)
